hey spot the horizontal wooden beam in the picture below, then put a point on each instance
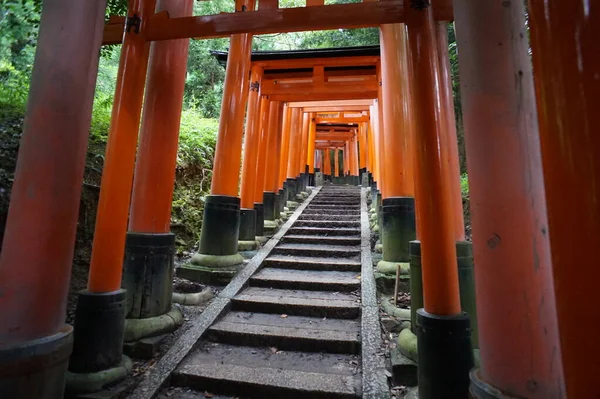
(328, 74)
(342, 120)
(304, 63)
(362, 102)
(113, 30)
(279, 20)
(270, 87)
(290, 97)
(347, 108)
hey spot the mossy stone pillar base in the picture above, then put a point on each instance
(300, 184)
(217, 260)
(260, 219)
(269, 205)
(319, 179)
(99, 327)
(480, 389)
(282, 200)
(373, 190)
(277, 210)
(397, 227)
(445, 355)
(291, 189)
(247, 225)
(466, 282)
(416, 282)
(36, 368)
(148, 274)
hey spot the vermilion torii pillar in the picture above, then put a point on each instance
(284, 153)
(293, 157)
(327, 162)
(397, 227)
(363, 150)
(508, 208)
(218, 259)
(566, 64)
(150, 245)
(444, 347)
(464, 249)
(336, 163)
(261, 160)
(302, 166)
(37, 251)
(310, 160)
(101, 308)
(247, 236)
(273, 152)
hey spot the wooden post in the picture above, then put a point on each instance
(285, 144)
(507, 205)
(566, 64)
(441, 315)
(37, 251)
(217, 259)
(449, 128)
(150, 245)
(117, 177)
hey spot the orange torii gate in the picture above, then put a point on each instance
(534, 195)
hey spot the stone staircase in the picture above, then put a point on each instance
(295, 330)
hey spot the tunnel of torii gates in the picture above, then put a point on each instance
(532, 147)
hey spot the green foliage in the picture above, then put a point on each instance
(466, 201)
(197, 140)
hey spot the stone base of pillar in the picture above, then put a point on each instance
(148, 274)
(311, 179)
(291, 189)
(466, 283)
(479, 389)
(397, 227)
(373, 189)
(271, 227)
(95, 350)
(416, 282)
(217, 260)
(247, 225)
(247, 237)
(319, 179)
(84, 384)
(260, 219)
(277, 210)
(269, 205)
(445, 355)
(36, 368)
(136, 329)
(281, 200)
(364, 179)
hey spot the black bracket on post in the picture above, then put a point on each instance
(133, 22)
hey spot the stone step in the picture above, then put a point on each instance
(298, 303)
(327, 223)
(243, 371)
(313, 263)
(325, 216)
(335, 201)
(330, 251)
(332, 206)
(296, 333)
(332, 212)
(306, 280)
(323, 231)
(312, 239)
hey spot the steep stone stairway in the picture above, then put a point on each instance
(296, 329)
